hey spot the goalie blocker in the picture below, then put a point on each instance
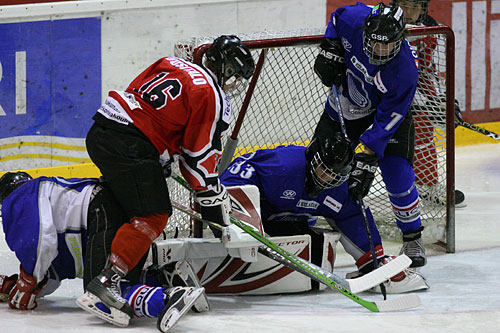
(234, 266)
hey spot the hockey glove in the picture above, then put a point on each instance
(23, 295)
(6, 285)
(436, 110)
(362, 176)
(458, 114)
(330, 63)
(215, 204)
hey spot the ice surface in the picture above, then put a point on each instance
(464, 294)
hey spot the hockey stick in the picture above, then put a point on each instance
(478, 129)
(360, 200)
(232, 141)
(290, 260)
(356, 285)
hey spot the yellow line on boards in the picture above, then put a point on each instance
(46, 157)
(42, 144)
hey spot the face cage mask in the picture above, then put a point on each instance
(324, 177)
(422, 6)
(235, 86)
(374, 57)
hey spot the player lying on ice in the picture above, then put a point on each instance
(286, 189)
(62, 229)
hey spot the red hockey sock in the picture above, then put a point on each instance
(133, 239)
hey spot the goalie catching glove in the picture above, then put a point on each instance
(330, 63)
(362, 176)
(23, 295)
(215, 204)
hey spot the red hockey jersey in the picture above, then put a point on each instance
(180, 107)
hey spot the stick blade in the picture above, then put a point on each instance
(404, 302)
(379, 275)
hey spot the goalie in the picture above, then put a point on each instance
(297, 185)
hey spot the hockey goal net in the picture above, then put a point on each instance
(285, 99)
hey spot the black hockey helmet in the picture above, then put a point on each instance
(10, 181)
(383, 33)
(329, 162)
(415, 11)
(229, 57)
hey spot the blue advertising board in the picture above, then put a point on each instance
(50, 77)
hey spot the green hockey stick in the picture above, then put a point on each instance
(290, 260)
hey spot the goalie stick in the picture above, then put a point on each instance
(273, 251)
(478, 129)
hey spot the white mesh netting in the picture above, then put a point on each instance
(288, 101)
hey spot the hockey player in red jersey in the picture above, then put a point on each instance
(427, 115)
(174, 107)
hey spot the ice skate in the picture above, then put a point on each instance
(103, 298)
(413, 247)
(432, 197)
(178, 301)
(182, 274)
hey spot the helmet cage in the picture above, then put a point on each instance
(379, 52)
(230, 58)
(423, 5)
(383, 33)
(325, 177)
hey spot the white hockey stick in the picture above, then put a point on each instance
(290, 260)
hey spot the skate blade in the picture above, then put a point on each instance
(88, 302)
(172, 315)
(185, 271)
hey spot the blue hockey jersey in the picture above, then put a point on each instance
(45, 223)
(387, 89)
(280, 175)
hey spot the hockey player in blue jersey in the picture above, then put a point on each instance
(62, 229)
(365, 55)
(298, 185)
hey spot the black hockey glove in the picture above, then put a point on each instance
(215, 204)
(458, 114)
(330, 63)
(436, 111)
(362, 176)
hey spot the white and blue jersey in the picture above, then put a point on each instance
(45, 223)
(386, 90)
(280, 175)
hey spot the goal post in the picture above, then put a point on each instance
(285, 99)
